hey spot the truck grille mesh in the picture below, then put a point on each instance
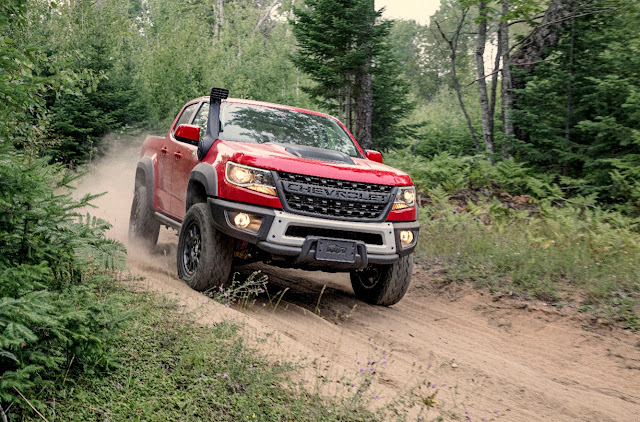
(362, 207)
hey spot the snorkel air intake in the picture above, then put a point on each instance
(213, 122)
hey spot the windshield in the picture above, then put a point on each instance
(251, 123)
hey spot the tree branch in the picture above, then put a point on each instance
(529, 20)
(576, 203)
(266, 15)
(593, 12)
(484, 77)
(453, 44)
(30, 405)
(444, 36)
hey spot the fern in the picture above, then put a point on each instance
(52, 262)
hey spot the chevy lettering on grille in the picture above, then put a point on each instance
(334, 193)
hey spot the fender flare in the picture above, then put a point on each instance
(145, 165)
(206, 175)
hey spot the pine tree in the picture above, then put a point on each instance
(341, 45)
(391, 103)
(54, 317)
(579, 107)
(80, 120)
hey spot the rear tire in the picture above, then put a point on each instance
(143, 226)
(383, 284)
(204, 254)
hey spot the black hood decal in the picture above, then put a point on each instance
(319, 154)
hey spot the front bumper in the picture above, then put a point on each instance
(285, 234)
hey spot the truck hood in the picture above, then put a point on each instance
(308, 161)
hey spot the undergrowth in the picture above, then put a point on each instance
(560, 255)
(243, 292)
(171, 368)
(56, 316)
(507, 229)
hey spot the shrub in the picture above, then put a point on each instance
(546, 255)
(54, 315)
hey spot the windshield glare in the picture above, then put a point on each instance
(251, 123)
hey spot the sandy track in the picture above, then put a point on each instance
(498, 359)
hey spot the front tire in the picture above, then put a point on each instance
(204, 254)
(383, 284)
(143, 226)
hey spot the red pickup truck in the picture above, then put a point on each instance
(251, 181)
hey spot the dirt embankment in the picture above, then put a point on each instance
(486, 357)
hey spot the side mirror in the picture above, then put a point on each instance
(374, 156)
(188, 133)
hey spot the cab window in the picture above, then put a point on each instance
(201, 119)
(185, 117)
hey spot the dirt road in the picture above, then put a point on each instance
(487, 358)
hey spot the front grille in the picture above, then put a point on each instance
(303, 232)
(332, 198)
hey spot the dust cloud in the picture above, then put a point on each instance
(114, 175)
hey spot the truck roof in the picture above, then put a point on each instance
(267, 104)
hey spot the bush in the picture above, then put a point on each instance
(546, 255)
(55, 318)
(508, 229)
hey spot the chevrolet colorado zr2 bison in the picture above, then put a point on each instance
(248, 181)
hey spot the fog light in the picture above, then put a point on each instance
(242, 220)
(406, 237)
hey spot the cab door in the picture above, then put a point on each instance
(186, 160)
(166, 162)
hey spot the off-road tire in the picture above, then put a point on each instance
(204, 254)
(143, 226)
(383, 284)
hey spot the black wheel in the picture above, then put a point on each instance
(143, 226)
(383, 284)
(204, 254)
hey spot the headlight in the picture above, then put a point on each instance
(256, 179)
(405, 198)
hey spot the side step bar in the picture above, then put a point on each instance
(167, 221)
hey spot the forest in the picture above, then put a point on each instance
(518, 120)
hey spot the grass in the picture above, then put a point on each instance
(556, 255)
(172, 369)
(166, 367)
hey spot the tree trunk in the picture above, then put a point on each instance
(494, 81)
(218, 15)
(536, 47)
(264, 14)
(347, 107)
(364, 107)
(340, 102)
(568, 124)
(363, 87)
(538, 44)
(456, 86)
(507, 93)
(453, 46)
(487, 134)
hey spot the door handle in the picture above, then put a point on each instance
(177, 155)
(164, 150)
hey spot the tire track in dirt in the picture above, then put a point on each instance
(484, 354)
